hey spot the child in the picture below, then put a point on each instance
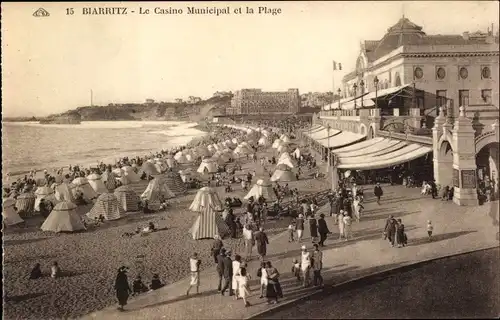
(243, 287)
(138, 286)
(296, 269)
(430, 228)
(55, 271)
(36, 272)
(155, 282)
(291, 230)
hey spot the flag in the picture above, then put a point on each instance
(337, 66)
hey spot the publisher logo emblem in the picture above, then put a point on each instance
(41, 13)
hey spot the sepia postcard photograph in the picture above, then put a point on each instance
(250, 160)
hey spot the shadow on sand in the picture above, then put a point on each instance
(436, 238)
(23, 297)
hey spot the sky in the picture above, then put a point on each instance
(50, 64)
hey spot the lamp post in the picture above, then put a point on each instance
(375, 82)
(355, 88)
(339, 91)
(328, 148)
(362, 84)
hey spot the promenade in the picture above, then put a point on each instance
(456, 230)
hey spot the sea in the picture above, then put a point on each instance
(30, 146)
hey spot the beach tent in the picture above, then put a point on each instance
(235, 141)
(296, 153)
(64, 192)
(96, 183)
(170, 162)
(242, 150)
(149, 168)
(203, 151)
(118, 172)
(208, 224)
(160, 166)
(211, 148)
(174, 182)
(83, 185)
(289, 162)
(283, 156)
(276, 143)
(264, 188)
(282, 148)
(125, 180)
(156, 189)
(263, 142)
(44, 193)
(189, 158)
(128, 200)
(63, 218)
(283, 174)
(207, 166)
(265, 133)
(106, 205)
(181, 158)
(185, 174)
(109, 179)
(9, 214)
(285, 138)
(130, 174)
(206, 197)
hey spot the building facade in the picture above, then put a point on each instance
(256, 101)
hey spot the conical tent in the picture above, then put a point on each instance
(276, 143)
(284, 156)
(207, 166)
(130, 174)
(285, 138)
(128, 200)
(242, 150)
(25, 204)
(64, 192)
(282, 148)
(289, 162)
(9, 214)
(157, 188)
(44, 193)
(206, 197)
(63, 218)
(96, 183)
(263, 188)
(263, 141)
(108, 206)
(181, 158)
(149, 168)
(296, 153)
(84, 187)
(208, 224)
(174, 183)
(283, 175)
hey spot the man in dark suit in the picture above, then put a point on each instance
(220, 266)
(227, 273)
(322, 230)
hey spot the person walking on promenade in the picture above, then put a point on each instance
(390, 230)
(261, 240)
(317, 265)
(400, 234)
(299, 225)
(227, 273)
(434, 190)
(291, 231)
(230, 221)
(340, 220)
(313, 228)
(220, 267)
(216, 248)
(249, 239)
(122, 287)
(194, 264)
(236, 274)
(430, 228)
(243, 286)
(273, 276)
(347, 226)
(305, 265)
(322, 230)
(262, 273)
(358, 207)
(378, 192)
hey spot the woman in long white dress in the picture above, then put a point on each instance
(341, 224)
(236, 274)
(347, 226)
(262, 273)
(358, 207)
(243, 287)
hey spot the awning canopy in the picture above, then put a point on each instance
(358, 146)
(323, 134)
(407, 153)
(373, 148)
(350, 105)
(315, 128)
(342, 139)
(368, 99)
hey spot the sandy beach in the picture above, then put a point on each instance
(89, 260)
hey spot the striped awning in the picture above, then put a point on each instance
(341, 139)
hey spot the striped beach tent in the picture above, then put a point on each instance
(206, 197)
(127, 198)
(83, 186)
(174, 183)
(109, 179)
(208, 224)
(63, 218)
(44, 193)
(108, 206)
(96, 183)
(25, 204)
(9, 214)
(64, 192)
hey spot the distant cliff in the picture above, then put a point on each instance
(148, 111)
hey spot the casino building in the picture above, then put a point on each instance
(256, 101)
(414, 95)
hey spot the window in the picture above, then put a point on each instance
(440, 98)
(485, 72)
(486, 96)
(418, 73)
(463, 73)
(440, 73)
(463, 97)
